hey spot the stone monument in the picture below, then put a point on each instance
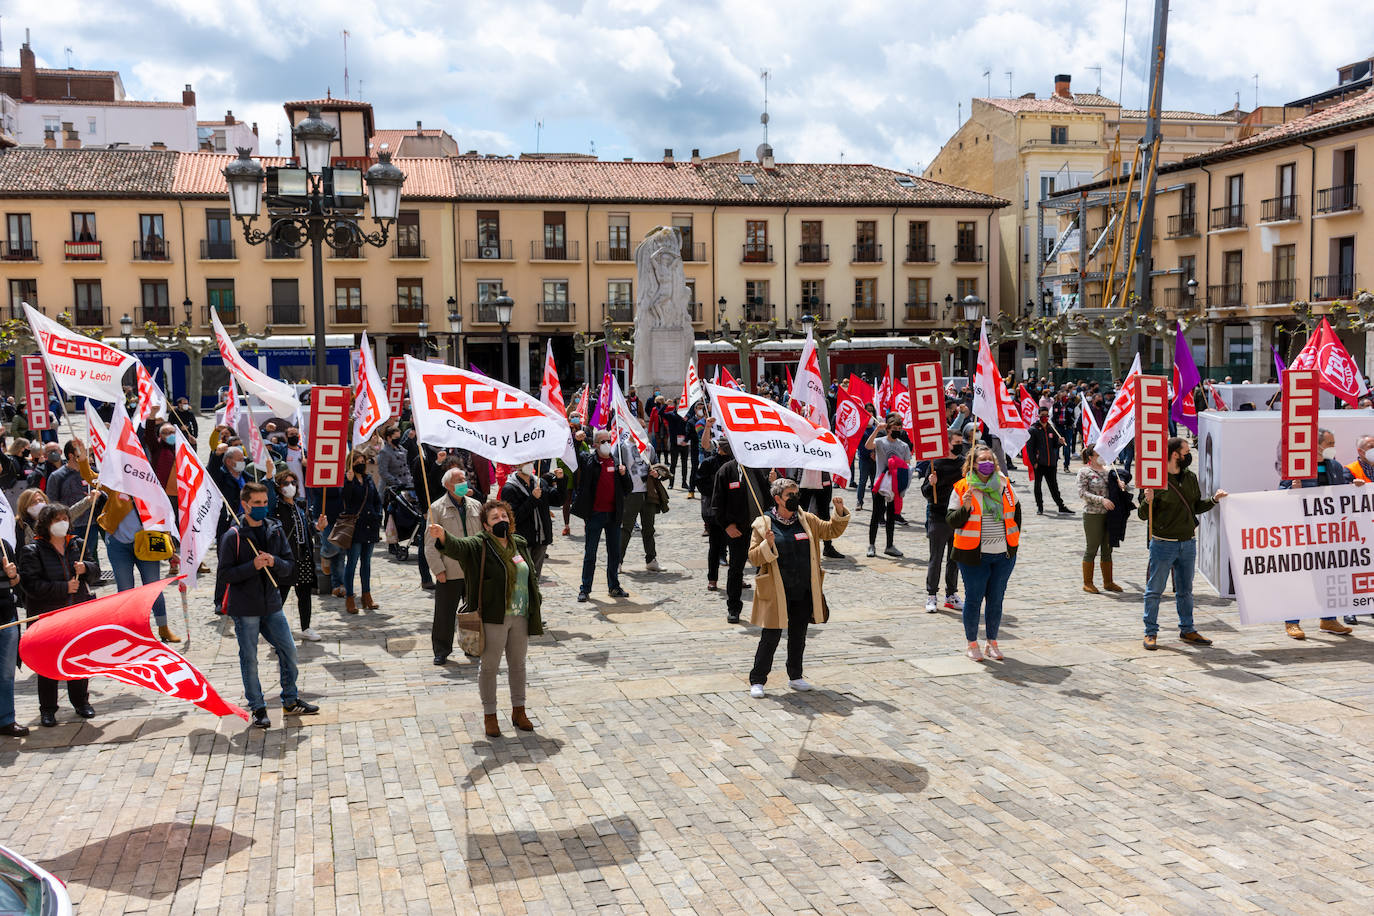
(664, 339)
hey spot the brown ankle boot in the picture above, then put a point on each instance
(165, 634)
(350, 605)
(368, 603)
(1088, 578)
(520, 720)
(1107, 581)
(493, 729)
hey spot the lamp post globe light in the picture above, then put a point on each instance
(455, 327)
(126, 328)
(314, 205)
(972, 307)
(504, 305)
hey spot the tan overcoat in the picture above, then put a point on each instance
(770, 596)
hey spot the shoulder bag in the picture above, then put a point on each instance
(472, 637)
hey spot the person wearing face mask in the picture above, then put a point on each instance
(26, 509)
(185, 417)
(394, 468)
(227, 472)
(255, 559)
(986, 517)
(1093, 485)
(735, 499)
(641, 505)
(121, 523)
(500, 586)
(603, 484)
(460, 516)
(530, 496)
(54, 577)
(939, 483)
(361, 500)
(889, 483)
(295, 525)
(1330, 473)
(1043, 449)
(294, 455)
(70, 485)
(1173, 545)
(785, 545)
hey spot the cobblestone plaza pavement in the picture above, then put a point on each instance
(1081, 774)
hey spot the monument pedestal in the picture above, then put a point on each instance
(668, 350)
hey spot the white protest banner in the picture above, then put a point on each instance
(808, 390)
(7, 527)
(1119, 426)
(623, 423)
(551, 393)
(765, 435)
(1301, 553)
(80, 365)
(151, 401)
(35, 390)
(370, 409)
(199, 504)
(994, 405)
(126, 470)
(926, 390)
(1152, 432)
(1299, 425)
(692, 390)
(275, 393)
(97, 432)
(455, 408)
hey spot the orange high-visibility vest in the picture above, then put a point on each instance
(970, 537)
(1357, 470)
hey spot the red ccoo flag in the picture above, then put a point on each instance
(110, 636)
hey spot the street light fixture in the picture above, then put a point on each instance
(422, 328)
(504, 306)
(126, 327)
(455, 327)
(314, 205)
(973, 313)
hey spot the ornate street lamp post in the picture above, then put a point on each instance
(973, 314)
(314, 205)
(455, 328)
(504, 305)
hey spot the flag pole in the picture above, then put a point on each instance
(748, 480)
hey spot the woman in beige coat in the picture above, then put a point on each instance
(785, 545)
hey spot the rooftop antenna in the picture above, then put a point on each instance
(1257, 90)
(763, 118)
(538, 130)
(1237, 99)
(345, 38)
(1009, 93)
(69, 71)
(592, 145)
(360, 89)
(1099, 78)
(987, 73)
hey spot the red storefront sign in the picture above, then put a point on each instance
(329, 411)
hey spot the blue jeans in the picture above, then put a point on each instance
(867, 471)
(278, 634)
(985, 584)
(9, 653)
(1167, 556)
(335, 556)
(598, 522)
(123, 563)
(358, 552)
(1286, 621)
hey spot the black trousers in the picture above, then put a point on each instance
(941, 537)
(734, 578)
(798, 619)
(716, 551)
(678, 453)
(302, 600)
(884, 513)
(425, 577)
(447, 595)
(1048, 475)
(78, 691)
(817, 501)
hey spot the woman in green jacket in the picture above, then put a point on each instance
(498, 584)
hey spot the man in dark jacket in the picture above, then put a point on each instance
(601, 488)
(735, 510)
(1043, 449)
(678, 445)
(254, 559)
(530, 496)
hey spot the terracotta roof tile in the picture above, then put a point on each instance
(823, 184)
(1095, 99)
(1017, 106)
(202, 174)
(561, 179)
(329, 103)
(119, 103)
(1138, 114)
(34, 172)
(392, 139)
(45, 71)
(1347, 113)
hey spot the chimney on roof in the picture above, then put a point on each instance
(419, 129)
(158, 144)
(49, 139)
(667, 156)
(1061, 86)
(28, 72)
(696, 156)
(229, 118)
(71, 139)
(188, 97)
(255, 132)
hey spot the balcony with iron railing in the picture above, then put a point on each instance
(484, 313)
(228, 315)
(756, 253)
(1178, 297)
(409, 251)
(83, 251)
(22, 250)
(813, 253)
(922, 311)
(1342, 198)
(920, 254)
(1334, 286)
(968, 254)
(409, 313)
(694, 253)
(160, 315)
(285, 314)
(758, 312)
(348, 314)
(867, 253)
(620, 311)
(1279, 209)
(152, 250)
(344, 253)
(1182, 225)
(490, 250)
(218, 250)
(870, 311)
(614, 251)
(94, 316)
(277, 252)
(695, 310)
(817, 309)
(1277, 292)
(1231, 216)
(1226, 295)
(543, 251)
(557, 312)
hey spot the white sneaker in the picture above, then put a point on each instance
(799, 684)
(756, 691)
(310, 635)
(932, 605)
(954, 603)
(652, 566)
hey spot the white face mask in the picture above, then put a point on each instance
(35, 509)
(1329, 454)
(604, 449)
(527, 469)
(59, 529)
(236, 467)
(289, 491)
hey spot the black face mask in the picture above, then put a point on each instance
(1185, 461)
(293, 440)
(501, 529)
(791, 502)
(360, 469)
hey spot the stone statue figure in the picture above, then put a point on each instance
(664, 339)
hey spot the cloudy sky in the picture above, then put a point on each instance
(858, 80)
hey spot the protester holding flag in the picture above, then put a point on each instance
(227, 470)
(530, 496)
(121, 523)
(735, 505)
(362, 503)
(1093, 486)
(986, 517)
(70, 485)
(254, 558)
(890, 481)
(460, 516)
(784, 545)
(1330, 473)
(642, 502)
(54, 577)
(291, 514)
(501, 588)
(1172, 513)
(1043, 448)
(868, 465)
(603, 485)
(939, 483)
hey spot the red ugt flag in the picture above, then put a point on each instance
(1336, 370)
(110, 636)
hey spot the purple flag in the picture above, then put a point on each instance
(602, 416)
(1186, 378)
(1278, 363)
